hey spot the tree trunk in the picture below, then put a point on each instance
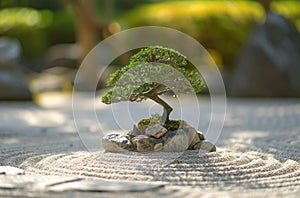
(88, 25)
(89, 32)
(167, 109)
(266, 4)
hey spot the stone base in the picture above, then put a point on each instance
(152, 137)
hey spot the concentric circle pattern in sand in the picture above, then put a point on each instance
(220, 170)
(258, 150)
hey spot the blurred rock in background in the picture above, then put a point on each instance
(269, 63)
(13, 84)
(59, 33)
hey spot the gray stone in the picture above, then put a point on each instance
(13, 86)
(192, 132)
(144, 143)
(195, 137)
(10, 50)
(205, 145)
(106, 186)
(135, 131)
(33, 182)
(41, 184)
(200, 135)
(157, 138)
(176, 141)
(156, 131)
(117, 143)
(141, 129)
(183, 124)
(268, 65)
(158, 146)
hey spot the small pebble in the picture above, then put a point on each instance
(205, 145)
(158, 147)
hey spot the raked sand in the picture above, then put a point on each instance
(258, 151)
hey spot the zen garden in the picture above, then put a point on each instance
(149, 98)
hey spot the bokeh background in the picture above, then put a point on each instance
(42, 42)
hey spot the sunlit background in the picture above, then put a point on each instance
(44, 41)
(52, 132)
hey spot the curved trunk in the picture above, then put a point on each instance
(167, 109)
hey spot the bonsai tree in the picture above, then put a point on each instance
(152, 56)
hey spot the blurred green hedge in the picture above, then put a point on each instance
(26, 25)
(36, 30)
(220, 26)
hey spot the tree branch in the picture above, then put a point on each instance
(153, 95)
(162, 92)
(167, 108)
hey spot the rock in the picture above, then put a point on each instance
(176, 141)
(183, 124)
(117, 143)
(156, 137)
(144, 143)
(135, 131)
(142, 129)
(200, 135)
(205, 145)
(156, 131)
(13, 86)
(93, 186)
(158, 146)
(268, 64)
(10, 50)
(33, 183)
(192, 132)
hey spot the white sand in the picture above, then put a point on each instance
(258, 151)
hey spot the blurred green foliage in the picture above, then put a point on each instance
(62, 28)
(26, 25)
(36, 4)
(36, 30)
(220, 26)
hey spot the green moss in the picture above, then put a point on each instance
(148, 121)
(144, 122)
(155, 119)
(172, 125)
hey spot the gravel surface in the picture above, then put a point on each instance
(257, 151)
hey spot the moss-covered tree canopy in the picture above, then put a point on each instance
(134, 85)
